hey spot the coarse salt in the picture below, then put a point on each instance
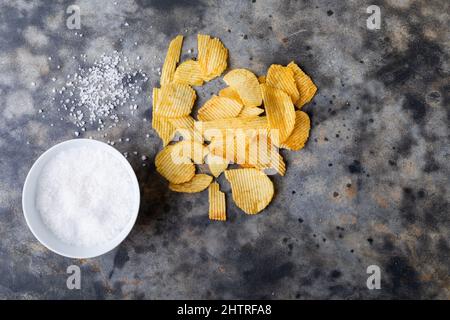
(84, 196)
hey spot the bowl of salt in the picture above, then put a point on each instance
(81, 198)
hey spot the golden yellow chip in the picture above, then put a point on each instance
(172, 58)
(219, 108)
(305, 85)
(300, 134)
(164, 128)
(247, 86)
(174, 168)
(264, 155)
(235, 123)
(189, 73)
(282, 78)
(216, 164)
(252, 190)
(250, 112)
(161, 125)
(229, 92)
(262, 79)
(224, 147)
(217, 207)
(280, 111)
(212, 56)
(191, 149)
(198, 183)
(184, 126)
(175, 100)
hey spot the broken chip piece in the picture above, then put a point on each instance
(217, 210)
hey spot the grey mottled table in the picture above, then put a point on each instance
(369, 188)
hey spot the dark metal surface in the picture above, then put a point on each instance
(369, 188)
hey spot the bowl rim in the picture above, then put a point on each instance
(114, 242)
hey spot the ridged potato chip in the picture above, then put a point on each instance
(262, 79)
(161, 125)
(229, 92)
(282, 78)
(175, 100)
(155, 97)
(300, 134)
(280, 111)
(304, 83)
(252, 190)
(172, 58)
(189, 72)
(198, 183)
(247, 86)
(225, 148)
(216, 164)
(219, 108)
(250, 112)
(163, 128)
(264, 155)
(217, 206)
(212, 56)
(191, 149)
(185, 127)
(175, 169)
(235, 123)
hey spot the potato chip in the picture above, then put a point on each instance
(161, 125)
(216, 164)
(304, 83)
(209, 134)
(172, 167)
(217, 209)
(300, 134)
(229, 92)
(252, 190)
(212, 56)
(247, 86)
(184, 126)
(191, 149)
(264, 155)
(224, 147)
(219, 108)
(282, 78)
(262, 79)
(198, 183)
(250, 112)
(172, 58)
(175, 100)
(236, 123)
(280, 111)
(164, 128)
(189, 73)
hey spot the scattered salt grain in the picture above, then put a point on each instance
(100, 90)
(84, 196)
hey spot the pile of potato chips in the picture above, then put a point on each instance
(242, 126)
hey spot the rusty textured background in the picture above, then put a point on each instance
(370, 187)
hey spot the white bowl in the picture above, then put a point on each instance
(34, 220)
